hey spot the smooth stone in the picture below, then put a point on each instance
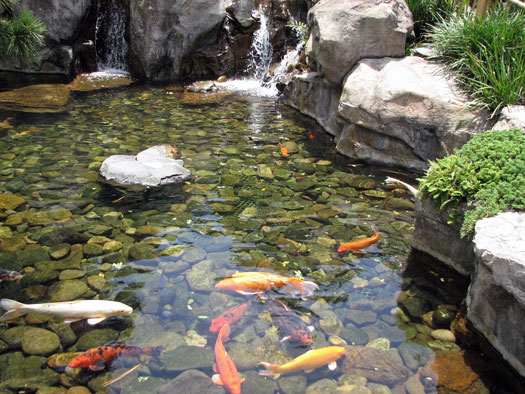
(40, 342)
(322, 386)
(191, 382)
(10, 201)
(94, 338)
(379, 343)
(292, 384)
(66, 290)
(51, 390)
(443, 335)
(71, 274)
(96, 282)
(112, 246)
(13, 336)
(78, 390)
(186, 357)
(59, 251)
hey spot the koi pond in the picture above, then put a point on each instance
(249, 206)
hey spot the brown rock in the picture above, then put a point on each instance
(454, 370)
(37, 98)
(376, 365)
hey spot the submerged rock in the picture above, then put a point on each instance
(151, 167)
(376, 365)
(37, 98)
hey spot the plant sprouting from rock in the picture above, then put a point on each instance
(487, 173)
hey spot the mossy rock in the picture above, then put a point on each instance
(67, 290)
(40, 342)
(94, 338)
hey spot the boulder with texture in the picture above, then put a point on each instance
(346, 31)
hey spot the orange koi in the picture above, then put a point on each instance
(250, 283)
(356, 246)
(307, 362)
(97, 358)
(284, 151)
(226, 373)
(311, 135)
(230, 317)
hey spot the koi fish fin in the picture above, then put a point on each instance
(311, 328)
(306, 287)
(72, 319)
(247, 293)
(286, 338)
(271, 370)
(95, 320)
(215, 368)
(13, 309)
(217, 379)
(332, 366)
(98, 366)
(11, 315)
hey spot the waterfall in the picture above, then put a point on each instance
(261, 51)
(110, 41)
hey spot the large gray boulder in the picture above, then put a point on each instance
(346, 31)
(404, 112)
(496, 296)
(151, 167)
(163, 32)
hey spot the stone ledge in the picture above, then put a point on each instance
(496, 296)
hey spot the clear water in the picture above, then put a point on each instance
(247, 207)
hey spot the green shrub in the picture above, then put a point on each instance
(488, 54)
(487, 173)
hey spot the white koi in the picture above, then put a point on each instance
(95, 311)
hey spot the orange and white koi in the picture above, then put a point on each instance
(250, 283)
(307, 362)
(97, 358)
(226, 373)
(230, 317)
(356, 246)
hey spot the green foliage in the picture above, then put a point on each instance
(300, 29)
(488, 54)
(487, 173)
(426, 13)
(21, 36)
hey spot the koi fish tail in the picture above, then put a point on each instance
(13, 308)
(271, 370)
(306, 287)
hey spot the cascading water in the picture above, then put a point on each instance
(261, 50)
(110, 42)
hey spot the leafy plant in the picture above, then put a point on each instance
(300, 29)
(487, 173)
(21, 35)
(487, 54)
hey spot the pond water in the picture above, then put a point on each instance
(247, 207)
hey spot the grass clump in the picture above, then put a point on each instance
(487, 173)
(487, 53)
